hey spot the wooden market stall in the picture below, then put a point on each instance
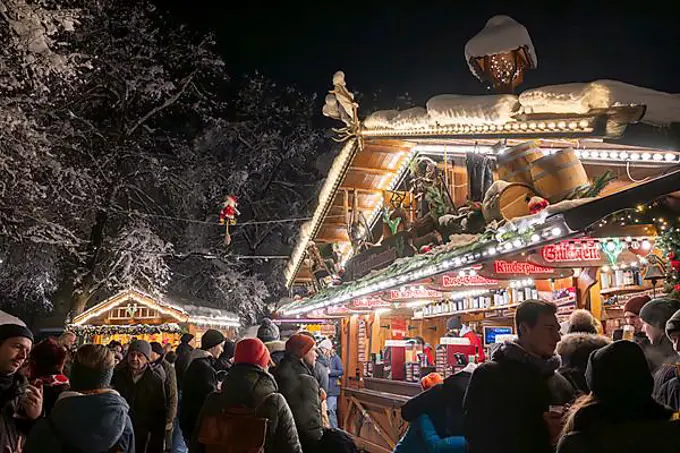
(469, 205)
(134, 314)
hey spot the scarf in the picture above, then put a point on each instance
(512, 350)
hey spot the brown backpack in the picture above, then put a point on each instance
(234, 430)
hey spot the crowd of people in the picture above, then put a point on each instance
(257, 394)
(545, 392)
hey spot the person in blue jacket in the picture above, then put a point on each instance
(422, 436)
(334, 363)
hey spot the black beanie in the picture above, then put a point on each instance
(619, 370)
(211, 338)
(157, 348)
(8, 331)
(673, 324)
(186, 338)
(141, 346)
(658, 311)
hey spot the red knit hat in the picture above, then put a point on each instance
(300, 344)
(47, 358)
(252, 351)
(431, 380)
(635, 304)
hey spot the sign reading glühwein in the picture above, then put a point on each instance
(584, 253)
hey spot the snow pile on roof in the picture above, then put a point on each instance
(411, 118)
(448, 109)
(662, 108)
(382, 119)
(501, 34)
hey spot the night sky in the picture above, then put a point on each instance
(417, 46)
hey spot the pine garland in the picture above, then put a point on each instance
(669, 242)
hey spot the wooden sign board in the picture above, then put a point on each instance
(404, 294)
(368, 303)
(516, 270)
(376, 258)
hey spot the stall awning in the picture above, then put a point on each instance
(519, 234)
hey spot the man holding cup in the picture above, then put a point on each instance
(632, 330)
(20, 402)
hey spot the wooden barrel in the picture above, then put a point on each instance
(511, 200)
(558, 175)
(514, 163)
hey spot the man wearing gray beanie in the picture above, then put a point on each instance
(661, 355)
(143, 387)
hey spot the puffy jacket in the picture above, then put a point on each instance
(422, 437)
(599, 429)
(12, 429)
(200, 381)
(513, 380)
(301, 390)
(92, 423)
(252, 387)
(669, 394)
(574, 350)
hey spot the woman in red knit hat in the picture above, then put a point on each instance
(249, 386)
(46, 368)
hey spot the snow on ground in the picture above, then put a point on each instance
(500, 34)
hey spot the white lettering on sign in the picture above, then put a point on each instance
(412, 293)
(450, 281)
(519, 267)
(582, 251)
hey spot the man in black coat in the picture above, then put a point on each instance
(200, 380)
(182, 363)
(518, 386)
(143, 387)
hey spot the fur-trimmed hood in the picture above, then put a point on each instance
(276, 346)
(575, 348)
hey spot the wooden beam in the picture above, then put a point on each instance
(372, 170)
(363, 190)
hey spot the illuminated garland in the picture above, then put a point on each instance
(669, 242)
(138, 329)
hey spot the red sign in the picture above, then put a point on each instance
(411, 293)
(399, 328)
(453, 281)
(583, 251)
(368, 304)
(519, 268)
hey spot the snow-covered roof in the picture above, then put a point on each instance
(500, 34)
(573, 99)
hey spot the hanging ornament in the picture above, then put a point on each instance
(228, 215)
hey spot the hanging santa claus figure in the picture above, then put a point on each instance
(228, 215)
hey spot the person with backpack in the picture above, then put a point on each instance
(249, 414)
(90, 417)
(297, 383)
(143, 387)
(200, 380)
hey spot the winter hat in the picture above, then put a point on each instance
(211, 338)
(673, 324)
(252, 351)
(635, 304)
(658, 311)
(186, 338)
(229, 348)
(299, 345)
(582, 321)
(11, 326)
(47, 358)
(157, 348)
(326, 344)
(141, 346)
(431, 380)
(268, 331)
(619, 370)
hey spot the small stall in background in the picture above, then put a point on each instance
(133, 314)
